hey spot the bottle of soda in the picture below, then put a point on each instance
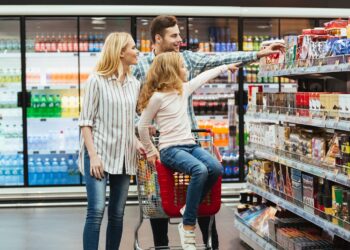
(50, 106)
(69, 43)
(57, 106)
(43, 106)
(53, 43)
(35, 105)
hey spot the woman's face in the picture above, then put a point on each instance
(183, 72)
(129, 54)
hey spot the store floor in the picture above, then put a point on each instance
(61, 229)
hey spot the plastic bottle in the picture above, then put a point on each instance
(35, 105)
(43, 106)
(64, 106)
(42, 43)
(63, 171)
(71, 173)
(47, 172)
(91, 42)
(39, 171)
(57, 106)
(64, 43)
(69, 43)
(48, 43)
(53, 43)
(55, 171)
(50, 106)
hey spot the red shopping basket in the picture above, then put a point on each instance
(173, 189)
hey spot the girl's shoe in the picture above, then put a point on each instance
(187, 237)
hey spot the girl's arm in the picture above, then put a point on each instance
(147, 116)
(204, 77)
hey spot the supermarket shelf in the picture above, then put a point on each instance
(212, 117)
(303, 120)
(326, 225)
(52, 87)
(53, 152)
(10, 55)
(313, 71)
(220, 85)
(252, 238)
(51, 54)
(305, 167)
(53, 119)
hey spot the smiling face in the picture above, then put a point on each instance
(170, 40)
(129, 54)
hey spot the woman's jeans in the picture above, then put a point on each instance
(203, 168)
(96, 195)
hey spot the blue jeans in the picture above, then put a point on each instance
(203, 168)
(96, 195)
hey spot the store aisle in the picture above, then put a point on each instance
(61, 228)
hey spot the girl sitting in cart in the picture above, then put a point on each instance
(164, 99)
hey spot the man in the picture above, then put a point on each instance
(166, 37)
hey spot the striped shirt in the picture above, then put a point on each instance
(195, 63)
(109, 107)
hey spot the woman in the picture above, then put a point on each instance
(164, 99)
(109, 144)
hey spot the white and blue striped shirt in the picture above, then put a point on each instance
(109, 108)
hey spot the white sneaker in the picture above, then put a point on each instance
(182, 210)
(188, 241)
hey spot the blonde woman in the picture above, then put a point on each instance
(164, 99)
(108, 141)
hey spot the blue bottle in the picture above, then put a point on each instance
(31, 172)
(63, 171)
(39, 171)
(47, 172)
(55, 171)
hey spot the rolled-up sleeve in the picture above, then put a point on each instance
(90, 103)
(147, 116)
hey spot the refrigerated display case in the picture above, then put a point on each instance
(11, 120)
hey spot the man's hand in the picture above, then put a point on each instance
(273, 48)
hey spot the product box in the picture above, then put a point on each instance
(297, 187)
(291, 103)
(308, 193)
(318, 148)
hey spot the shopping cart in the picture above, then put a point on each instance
(162, 192)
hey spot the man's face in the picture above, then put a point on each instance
(171, 40)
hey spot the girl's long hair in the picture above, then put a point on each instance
(163, 76)
(109, 62)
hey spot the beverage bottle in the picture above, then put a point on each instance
(55, 171)
(53, 43)
(224, 164)
(75, 43)
(64, 106)
(42, 43)
(48, 43)
(37, 43)
(50, 106)
(256, 43)
(91, 42)
(69, 43)
(47, 172)
(101, 42)
(39, 171)
(42, 106)
(81, 42)
(71, 173)
(35, 105)
(86, 43)
(245, 41)
(143, 41)
(64, 43)
(59, 43)
(97, 43)
(63, 171)
(57, 106)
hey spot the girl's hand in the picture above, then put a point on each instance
(152, 159)
(96, 168)
(232, 67)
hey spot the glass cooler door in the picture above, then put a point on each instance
(11, 130)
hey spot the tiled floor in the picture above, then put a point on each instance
(61, 229)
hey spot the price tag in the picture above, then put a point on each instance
(53, 152)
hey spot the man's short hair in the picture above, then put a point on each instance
(160, 23)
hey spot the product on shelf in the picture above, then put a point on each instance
(10, 45)
(11, 170)
(314, 47)
(12, 76)
(220, 130)
(66, 42)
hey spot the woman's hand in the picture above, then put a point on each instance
(96, 168)
(233, 67)
(140, 148)
(152, 159)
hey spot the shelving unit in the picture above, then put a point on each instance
(340, 70)
(326, 225)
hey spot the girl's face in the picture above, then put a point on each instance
(130, 54)
(183, 72)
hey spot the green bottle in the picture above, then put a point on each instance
(43, 106)
(35, 105)
(57, 104)
(50, 106)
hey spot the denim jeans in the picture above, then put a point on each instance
(96, 195)
(203, 168)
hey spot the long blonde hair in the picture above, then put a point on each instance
(162, 76)
(109, 62)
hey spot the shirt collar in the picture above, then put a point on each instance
(114, 78)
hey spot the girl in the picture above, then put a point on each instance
(164, 98)
(108, 142)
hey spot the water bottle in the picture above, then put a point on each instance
(7, 171)
(63, 171)
(55, 171)
(47, 172)
(71, 170)
(39, 171)
(2, 172)
(31, 172)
